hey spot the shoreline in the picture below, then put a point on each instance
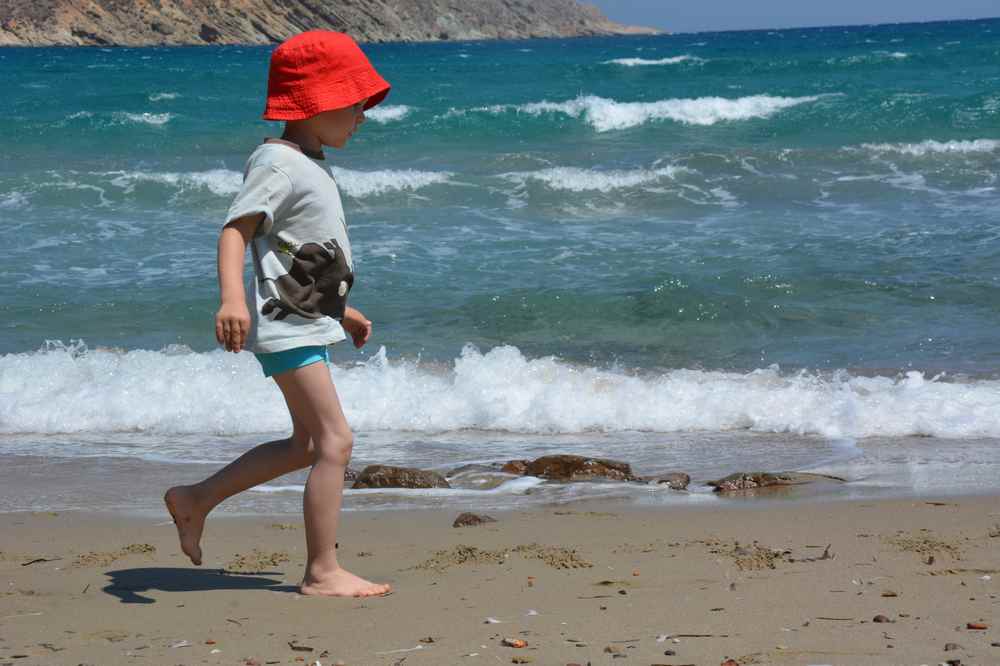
(678, 501)
(798, 583)
(129, 474)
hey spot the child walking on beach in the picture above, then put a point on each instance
(289, 212)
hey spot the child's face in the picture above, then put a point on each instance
(335, 127)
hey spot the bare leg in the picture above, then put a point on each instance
(190, 505)
(313, 402)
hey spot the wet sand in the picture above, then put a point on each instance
(760, 583)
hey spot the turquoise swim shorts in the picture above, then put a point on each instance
(290, 359)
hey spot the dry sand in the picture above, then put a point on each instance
(602, 584)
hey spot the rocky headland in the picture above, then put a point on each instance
(199, 22)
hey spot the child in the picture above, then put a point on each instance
(289, 212)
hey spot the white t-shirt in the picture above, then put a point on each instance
(301, 254)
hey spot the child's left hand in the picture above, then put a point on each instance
(357, 326)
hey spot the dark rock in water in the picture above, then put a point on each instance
(676, 480)
(757, 480)
(470, 519)
(387, 476)
(515, 467)
(579, 468)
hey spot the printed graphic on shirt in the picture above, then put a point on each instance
(316, 285)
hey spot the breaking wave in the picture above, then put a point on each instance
(223, 182)
(931, 147)
(155, 119)
(359, 184)
(70, 389)
(605, 114)
(388, 114)
(645, 62)
(581, 180)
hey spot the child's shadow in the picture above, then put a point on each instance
(126, 584)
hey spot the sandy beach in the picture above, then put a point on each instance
(756, 581)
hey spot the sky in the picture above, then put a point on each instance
(701, 15)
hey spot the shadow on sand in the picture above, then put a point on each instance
(127, 584)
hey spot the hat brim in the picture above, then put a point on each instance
(377, 98)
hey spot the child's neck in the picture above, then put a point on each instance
(308, 143)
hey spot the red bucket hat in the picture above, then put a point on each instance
(319, 71)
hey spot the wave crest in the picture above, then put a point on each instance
(360, 184)
(388, 114)
(573, 179)
(645, 62)
(605, 114)
(222, 182)
(930, 147)
(155, 119)
(67, 389)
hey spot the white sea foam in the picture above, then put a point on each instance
(388, 114)
(931, 147)
(361, 184)
(173, 392)
(573, 179)
(518, 486)
(159, 97)
(607, 114)
(13, 200)
(875, 57)
(156, 119)
(645, 62)
(223, 182)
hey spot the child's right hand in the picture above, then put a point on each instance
(232, 324)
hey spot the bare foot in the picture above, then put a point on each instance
(342, 583)
(189, 519)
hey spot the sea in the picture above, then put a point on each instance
(711, 252)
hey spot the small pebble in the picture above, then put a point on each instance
(977, 626)
(881, 618)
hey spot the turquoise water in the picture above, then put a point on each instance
(782, 232)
